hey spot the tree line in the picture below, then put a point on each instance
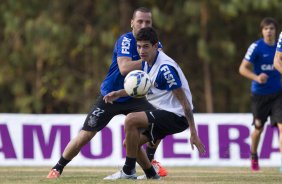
(55, 54)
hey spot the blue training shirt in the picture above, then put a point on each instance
(261, 55)
(125, 46)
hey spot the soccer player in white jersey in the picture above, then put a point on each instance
(266, 86)
(278, 55)
(170, 94)
(125, 59)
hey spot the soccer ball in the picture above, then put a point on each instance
(137, 83)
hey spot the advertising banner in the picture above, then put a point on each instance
(39, 140)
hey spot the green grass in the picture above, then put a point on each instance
(179, 175)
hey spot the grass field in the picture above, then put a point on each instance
(179, 175)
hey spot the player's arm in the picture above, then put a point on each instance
(245, 70)
(194, 139)
(112, 96)
(278, 61)
(126, 65)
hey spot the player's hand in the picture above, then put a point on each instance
(195, 140)
(262, 78)
(110, 97)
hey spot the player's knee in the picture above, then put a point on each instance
(130, 121)
(84, 137)
(258, 124)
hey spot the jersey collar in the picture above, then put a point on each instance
(150, 67)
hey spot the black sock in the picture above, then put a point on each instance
(151, 172)
(150, 153)
(129, 166)
(61, 164)
(254, 156)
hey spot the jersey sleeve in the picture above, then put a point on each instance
(279, 44)
(123, 46)
(251, 53)
(168, 78)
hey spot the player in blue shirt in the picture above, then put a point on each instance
(278, 55)
(124, 53)
(266, 85)
(125, 59)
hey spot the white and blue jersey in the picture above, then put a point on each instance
(279, 44)
(125, 47)
(166, 76)
(261, 55)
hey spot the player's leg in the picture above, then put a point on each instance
(72, 149)
(75, 145)
(149, 169)
(150, 152)
(143, 160)
(133, 123)
(98, 117)
(161, 124)
(255, 139)
(260, 109)
(138, 105)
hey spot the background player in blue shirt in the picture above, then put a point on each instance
(125, 59)
(278, 55)
(266, 85)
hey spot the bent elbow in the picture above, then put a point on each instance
(123, 72)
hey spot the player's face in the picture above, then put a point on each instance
(141, 20)
(147, 51)
(268, 32)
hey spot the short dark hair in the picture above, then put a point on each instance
(267, 21)
(147, 34)
(141, 9)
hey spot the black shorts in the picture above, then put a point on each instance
(102, 113)
(267, 105)
(163, 123)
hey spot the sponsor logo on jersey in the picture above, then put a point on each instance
(168, 76)
(267, 67)
(125, 44)
(250, 51)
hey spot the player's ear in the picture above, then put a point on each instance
(156, 45)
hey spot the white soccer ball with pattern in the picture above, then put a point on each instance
(137, 83)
